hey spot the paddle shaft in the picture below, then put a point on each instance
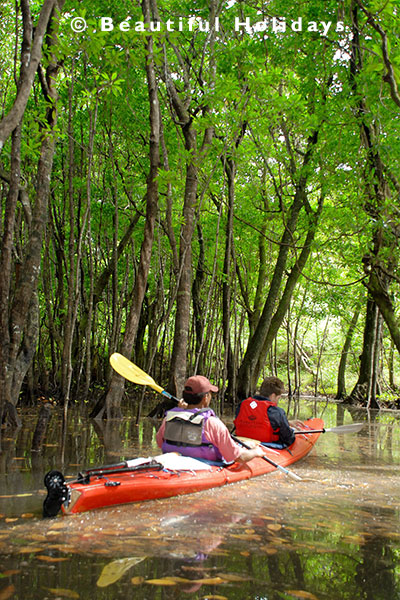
(130, 371)
(310, 431)
(352, 428)
(269, 460)
(110, 471)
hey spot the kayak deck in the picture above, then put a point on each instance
(159, 477)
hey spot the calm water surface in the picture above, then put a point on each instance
(335, 535)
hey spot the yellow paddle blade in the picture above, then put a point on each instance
(131, 372)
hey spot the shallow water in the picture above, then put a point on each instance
(335, 535)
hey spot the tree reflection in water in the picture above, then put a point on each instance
(334, 536)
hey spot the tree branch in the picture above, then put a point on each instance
(389, 77)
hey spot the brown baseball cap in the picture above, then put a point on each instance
(198, 384)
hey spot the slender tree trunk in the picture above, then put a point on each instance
(228, 370)
(319, 361)
(341, 378)
(117, 384)
(6, 270)
(250, 368)
(182, 318)
(195, 154)
(30, 58)
(290, 286)
(198, 307)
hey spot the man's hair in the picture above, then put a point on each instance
(193, 398)
(272, 385)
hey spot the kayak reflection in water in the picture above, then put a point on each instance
(193, 429)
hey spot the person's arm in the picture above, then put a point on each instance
(278, 420)
(250, 453)
(218, 434)
(160, 434)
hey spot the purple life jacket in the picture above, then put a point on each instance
(184, 433)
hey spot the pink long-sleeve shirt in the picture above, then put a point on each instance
(217, 434)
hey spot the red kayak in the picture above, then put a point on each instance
(164, 476)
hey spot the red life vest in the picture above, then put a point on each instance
(253, 422)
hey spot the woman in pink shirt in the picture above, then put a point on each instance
(193, 429)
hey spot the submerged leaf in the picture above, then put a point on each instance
(269, 549)
(30, 549)
(63, 592)
(233, 577)
(7, 592)
(302, 594)
(52, 559)
(114, 570)
(137, 580)
(209, 581)
(165, 581)
(245, 536)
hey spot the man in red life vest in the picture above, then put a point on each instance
(193, 429)
(260, 418)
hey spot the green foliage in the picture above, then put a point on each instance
(265, 95)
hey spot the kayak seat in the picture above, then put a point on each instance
(274, 445)
(216, 463)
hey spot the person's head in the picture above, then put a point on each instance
(198, 388)
(272, 387)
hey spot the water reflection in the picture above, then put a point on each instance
(335, 535)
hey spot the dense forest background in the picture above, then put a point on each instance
(206, 187)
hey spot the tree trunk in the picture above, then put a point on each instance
(228, 365)
(378, 291)
(182, 319)
(377, 193)
(250, 368)
(198, 307)
(19, 314)
(6, 269)
(341, 378)
(31, 54)
(183, 301)
(364, 391)
(290, 286)
(117, 384)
